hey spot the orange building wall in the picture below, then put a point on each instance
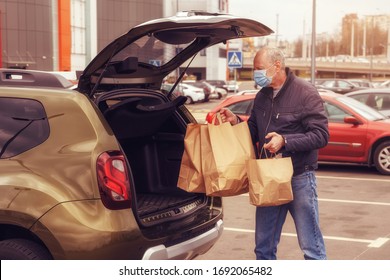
(1, 50)
(64, 35)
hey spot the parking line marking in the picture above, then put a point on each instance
(352, 178)
(346, 201)
(354, 201)
(377, 243)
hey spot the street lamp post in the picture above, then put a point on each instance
(352, 37)
(365, 37)
(388, 38)
(313, 44)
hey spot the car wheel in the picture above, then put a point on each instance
(382, 158)
(189, 100)
(22, 249)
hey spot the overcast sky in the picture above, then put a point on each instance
(293, 16)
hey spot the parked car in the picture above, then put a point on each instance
(92, 173)
(377, 98)
(358, 133)
(193, 93)
(232, 86)
(240, 104)
(214, 92)
(338, 85)
(219, 91)
(361, 83)
(385, 84)
(206, 87)
(217, 83)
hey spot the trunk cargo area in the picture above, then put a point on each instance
(151, 135)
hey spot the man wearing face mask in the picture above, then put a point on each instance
(287, 119)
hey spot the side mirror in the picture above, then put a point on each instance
(351, 120)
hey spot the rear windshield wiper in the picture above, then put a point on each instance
(9, 141)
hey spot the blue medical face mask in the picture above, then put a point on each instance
(260, 77)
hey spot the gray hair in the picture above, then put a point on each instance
(274, 54)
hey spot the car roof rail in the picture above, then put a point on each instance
(32, 78)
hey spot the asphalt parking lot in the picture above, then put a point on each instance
(354, 215)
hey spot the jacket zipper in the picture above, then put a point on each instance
(269, 122)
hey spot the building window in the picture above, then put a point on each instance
(78, 26)
(222, 53)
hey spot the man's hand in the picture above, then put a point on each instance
(228, 116)
(276, 142)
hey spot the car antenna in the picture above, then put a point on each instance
(180, 77)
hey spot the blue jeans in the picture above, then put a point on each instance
(304, 211)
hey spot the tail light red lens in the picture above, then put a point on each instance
(113, 180)
(209, 117)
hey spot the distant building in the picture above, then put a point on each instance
(64, 35)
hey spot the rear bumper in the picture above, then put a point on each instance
(187, 249)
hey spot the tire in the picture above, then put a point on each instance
(22, 249)
(189, 100)
(382, 158)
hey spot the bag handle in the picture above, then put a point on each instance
(272, 155)
(215, 117)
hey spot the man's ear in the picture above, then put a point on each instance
(278, 64)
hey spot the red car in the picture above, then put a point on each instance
(358, 133)
(241, 104)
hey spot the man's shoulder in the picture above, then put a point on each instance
(303, 84)
(300, 81)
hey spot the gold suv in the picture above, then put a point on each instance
(91, 173)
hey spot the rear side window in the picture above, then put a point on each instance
(335, 114)
(23, 125)
(240, 108)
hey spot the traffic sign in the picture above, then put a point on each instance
(234, 59)
(155, 62)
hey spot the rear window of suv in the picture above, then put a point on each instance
(23, 125)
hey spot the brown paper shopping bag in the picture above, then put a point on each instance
(270, 181)
(190, 175)
(225, 150)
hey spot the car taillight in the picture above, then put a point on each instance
(209, 117)
(113, 180)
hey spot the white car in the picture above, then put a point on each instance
(385, 84)
(231, 86)
(219, 93)
(193, 93)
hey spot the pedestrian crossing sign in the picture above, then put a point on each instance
(155, 62)
(234, 59)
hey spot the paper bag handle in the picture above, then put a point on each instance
(273, 155)
(217, 116)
